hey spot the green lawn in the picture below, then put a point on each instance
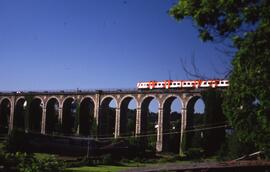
(125, 165)
(100, 168)
(43, 155)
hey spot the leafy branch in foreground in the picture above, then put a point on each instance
(246, 24)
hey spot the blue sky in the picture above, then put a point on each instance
(97, 44)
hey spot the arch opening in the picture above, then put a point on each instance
(195, 123)
(199, 106)
(69, 115)
(35, 115)
(207, 122)
(52, 115)
(128, 117)
(106, 125)
(20, 114)
(149, 121)
(4, 115)
(87, 124)
(172, 124)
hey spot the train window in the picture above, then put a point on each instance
(222, 82)
(174, 83)
(147, 84)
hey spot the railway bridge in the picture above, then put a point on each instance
(76, 112)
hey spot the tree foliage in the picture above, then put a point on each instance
(246, 23)
(223, 18)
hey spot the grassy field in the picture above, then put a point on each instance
(165, 159)
(111, 168)
(100, 168)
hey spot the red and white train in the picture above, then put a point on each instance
(182, 84)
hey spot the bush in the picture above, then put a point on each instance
(107, 159)
(137, 147)
(233, 148)
(195, 153)
(50, 164)
(23, 162)
(17, 141)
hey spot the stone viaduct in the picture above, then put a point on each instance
(47, 112)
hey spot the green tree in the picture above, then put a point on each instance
(213, 117)
(246, 23)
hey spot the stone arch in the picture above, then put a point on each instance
(107, 116)
(129, 96)
(67, 97)
(86, 116)
(35, 113)
(5, 108)
(190, 108)
(19, 120)
(69, 108)
(90, 97)
(40, 98)
(19, 98)
(127, 116)
(193, 139)
(109, 98)
(193, 98)
(171, 124)
(149, 121)
(52, 97)
(52, 123)
(151, 97)
(170, 96)
(213, 117)
(3, 98)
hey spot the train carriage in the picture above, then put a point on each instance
(173, 84)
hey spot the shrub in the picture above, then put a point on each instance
(17, 141)
(107, 159)
(195, 153)
(50, 164)
(23, 162)
(233, 148)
